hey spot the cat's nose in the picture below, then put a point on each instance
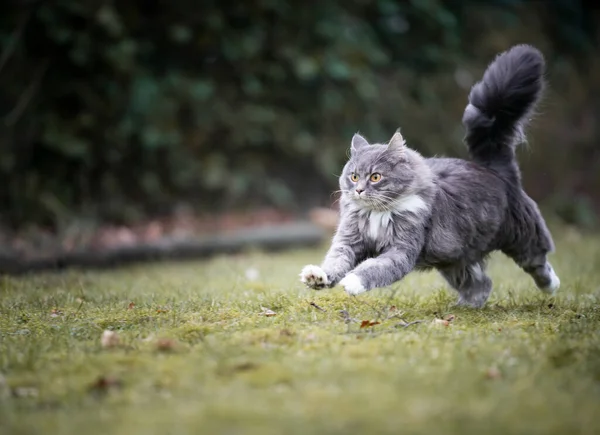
(359, 190)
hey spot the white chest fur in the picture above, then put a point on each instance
(379, 221)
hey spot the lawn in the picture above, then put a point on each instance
(233, 345)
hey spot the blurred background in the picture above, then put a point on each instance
(128, 121)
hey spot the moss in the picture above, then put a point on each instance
(198, 354)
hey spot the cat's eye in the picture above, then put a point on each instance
(354, 177)
(375, 177)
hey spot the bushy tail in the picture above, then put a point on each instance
(500, 104)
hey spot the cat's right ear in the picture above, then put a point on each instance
(358, 142)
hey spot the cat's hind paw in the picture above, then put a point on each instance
(352, 284)
(314, 277)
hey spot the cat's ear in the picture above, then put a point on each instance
(358, 142)
(397, 142)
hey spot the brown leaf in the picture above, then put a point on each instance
(105, 383)
(245, 366)
(110, 339)
(161, 310)
(393, 308)
(368, 323)
(493, 373)
(165, 344)
(56, 312)
(440, 322)
(131, 306)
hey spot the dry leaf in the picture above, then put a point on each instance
(105, 383)
(493, 373)
(161, 310)
(109, 339)
(131, 306)
(245, 366)
(56, 312)
(165, 344)
(367, 323)
(393, 308)
(267, 313)
(450, 317)
(440, 322)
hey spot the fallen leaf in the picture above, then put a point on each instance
(56, 312)
(165, 344)
(440, 322)
(367, 323)
(245, 366)
(110, 339)
(450, 317)
(105, 383)
(131, 306)
(267, 312)
(493, 373)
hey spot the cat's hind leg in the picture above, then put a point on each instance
(531, 249)
(540, 269)
(471, 282)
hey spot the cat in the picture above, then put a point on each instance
(401, 212)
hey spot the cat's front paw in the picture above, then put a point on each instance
(314, 277)
(352, 284)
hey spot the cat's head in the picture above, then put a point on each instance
(378, 175)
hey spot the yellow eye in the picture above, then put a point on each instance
(354, 177)
(375, 177)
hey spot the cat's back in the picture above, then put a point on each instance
(469, 208)
(457, 177)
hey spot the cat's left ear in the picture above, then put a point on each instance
(397, 142)
(358, 142)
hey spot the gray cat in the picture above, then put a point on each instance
(402, 212)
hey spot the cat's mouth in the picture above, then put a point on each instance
(371, 202)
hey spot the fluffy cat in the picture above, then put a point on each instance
(402, 212)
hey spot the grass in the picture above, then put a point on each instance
(196, 355)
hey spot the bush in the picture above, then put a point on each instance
(118, 109)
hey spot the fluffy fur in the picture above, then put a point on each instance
(420, 213)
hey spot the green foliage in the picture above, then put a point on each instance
(123, 107)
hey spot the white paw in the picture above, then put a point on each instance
(352, 284)
(314, 277)
(554, 283)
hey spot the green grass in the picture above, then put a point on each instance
(526, 363)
